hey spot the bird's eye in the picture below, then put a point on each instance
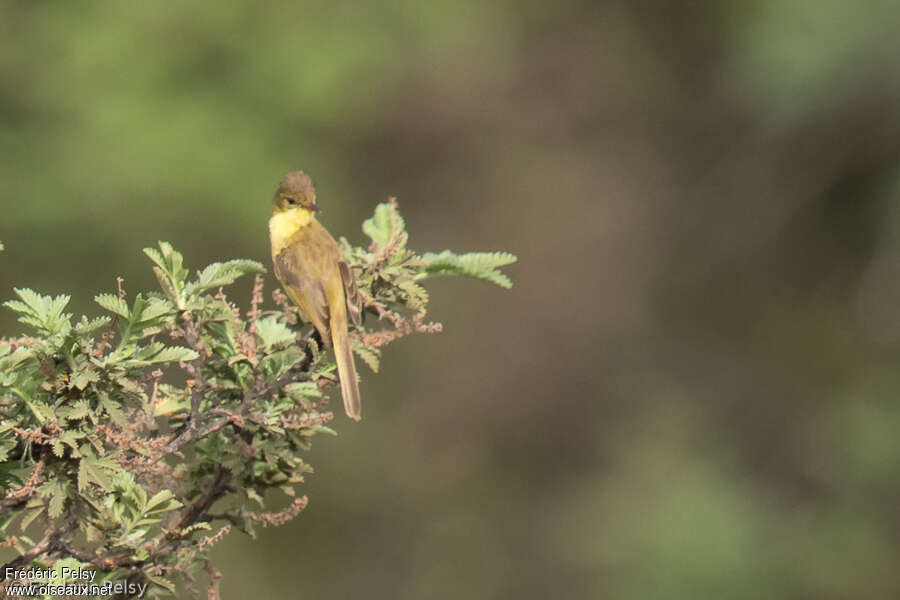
(291, 201)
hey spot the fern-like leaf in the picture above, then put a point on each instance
(112, 303)
(480, 265)
(41, 312)
(222, 274)
(386, 227)
(370, 356)
(273, 333)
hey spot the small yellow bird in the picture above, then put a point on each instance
(310, 266)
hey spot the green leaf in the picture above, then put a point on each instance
(150, 311)
(480, 265)
(41, 312)
(113, 303)
(386, 227)
(370, 356)
(70, 438)
(33, 510)
(161, 502)
(168, 288)
(169, 271)
(304, 392)
(303, 389)
(158, 353)
(159, 580)
(167, 404)
(33, 301)
(274, 333)
(168, 259)
(98, 471)
(278, 363)
(175, 354)
(113, 409)
(55, 508)
(78, 410)
(58, 448)
(201, 526)
(221, 274)
(323, 429)
(15, 360)
(7, 476)
(417, 296)
(85, 327)
(57, 491)
(83, 378)
(134, 537)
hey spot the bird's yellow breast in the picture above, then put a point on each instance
(285, 224)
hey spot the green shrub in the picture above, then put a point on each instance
(134, 441)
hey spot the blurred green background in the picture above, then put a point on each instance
(692, 390)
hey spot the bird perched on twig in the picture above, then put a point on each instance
(310, 266)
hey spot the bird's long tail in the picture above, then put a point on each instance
(346, 369)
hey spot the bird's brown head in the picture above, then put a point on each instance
(295, 191)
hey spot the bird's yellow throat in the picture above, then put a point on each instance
(286, 223)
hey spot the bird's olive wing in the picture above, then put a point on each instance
(354, 303)
(304, 287)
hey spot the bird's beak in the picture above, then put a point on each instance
(314, 208)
